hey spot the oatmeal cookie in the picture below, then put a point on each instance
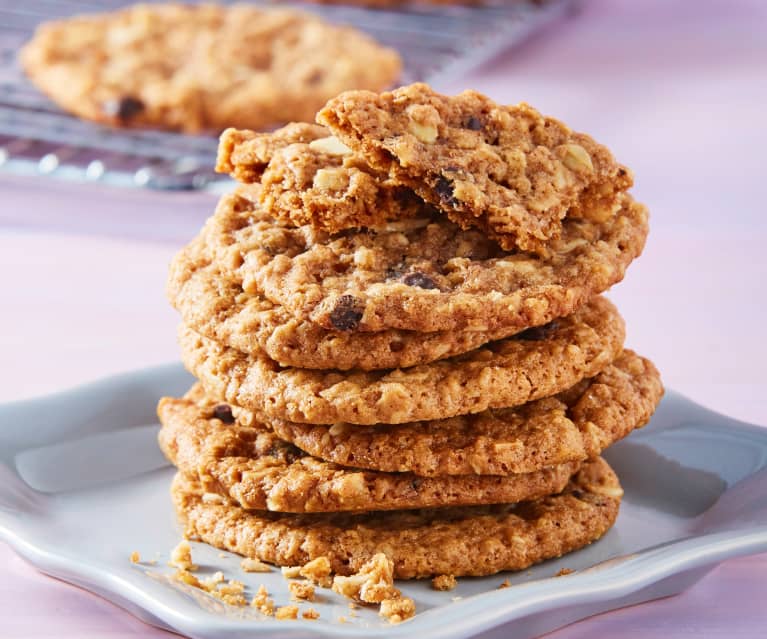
(460, 541)
(250, 466)
(508, 372)
(306, 176)
(219, 309)
(507, 170)
(202, 67)
(244, 154)
(573, 426)
(422, 274)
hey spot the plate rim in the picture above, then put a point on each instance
(608, 580)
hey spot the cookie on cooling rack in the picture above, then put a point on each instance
(202, 67)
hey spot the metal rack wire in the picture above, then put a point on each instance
(37, 138)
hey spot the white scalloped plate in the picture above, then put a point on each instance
(82, 485)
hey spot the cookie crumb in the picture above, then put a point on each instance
(301, 591)
(310, 613)
(397, 610)
(291, 572)
(135, 557)
(186, 577)
(254, 565)
(341, 619)
(564, 571)
(286, 612)
(444, 582)
(373, 583)
(262, 602)
(211, 582)
(317, 571)
(181, 557)
(232, 593)
(505, 584)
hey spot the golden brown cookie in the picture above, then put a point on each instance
(468, 541)
(250, 466)
(508, 372)
(422, 274)
(507, 170)
(202, 67)
(217, 307)
(575, 425)
(305, 176)
(244, 154)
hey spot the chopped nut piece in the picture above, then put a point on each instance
(577, 158)
(397, 610)
(181, 556)
(444, 582)
(254, 565)
(372, 584)
(330, 179)
(286, 612)
(135, 557)
(425, 133)
(301, 590)
(317, 571)
(262, 602)
(310, 613)
(330, 145)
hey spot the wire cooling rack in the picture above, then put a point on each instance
(37, 138)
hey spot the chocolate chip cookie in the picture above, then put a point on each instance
(314, 180)
(505, 373)
(507, 170)
(575, 425)
(219, 309)
(251, 467)
(467, 541)
(422, 274)
(202, 67)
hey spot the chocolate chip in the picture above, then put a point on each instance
(224, 413)
(415, 484)
(396, 347)
(538, 333)
(444, 189)
(395, 272)
(421, 280)
(124, 108)
(473, 123)
(315, 77)
(347, 313)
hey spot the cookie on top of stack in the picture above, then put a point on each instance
(400, 342)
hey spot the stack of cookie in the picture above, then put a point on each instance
(396, 326)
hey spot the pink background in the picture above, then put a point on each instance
(678, 91)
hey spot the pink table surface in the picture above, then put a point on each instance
(677, 89)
